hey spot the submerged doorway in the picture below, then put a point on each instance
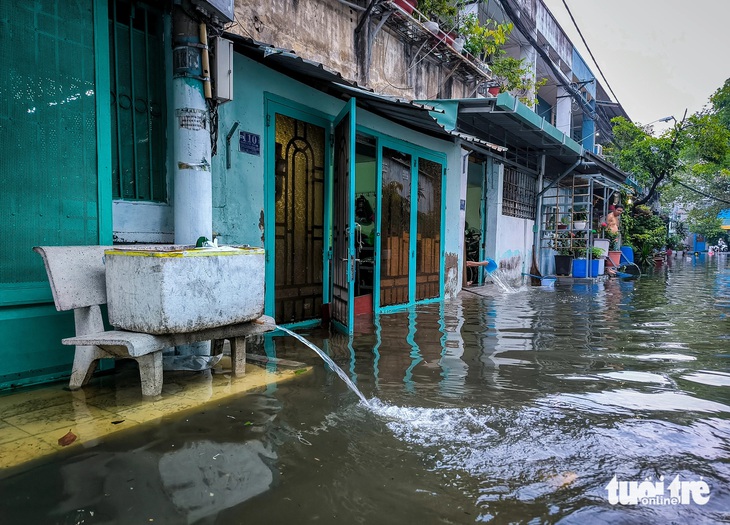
(475, 217)
(411, 248)
(299, 193)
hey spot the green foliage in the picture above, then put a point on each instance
(650, 160)
(674, 242)
(708, 140)
(644, 256)
(645, 230)
(561, 243)
(596, 253)
(706, 223)
(612, 239)
(703, 174)
(514, 75)
(484, 39)
(720, 101)
(443, 11)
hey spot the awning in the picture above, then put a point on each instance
(504, 120)
(411, 114)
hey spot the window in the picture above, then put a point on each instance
(519, 194)
(136, 50)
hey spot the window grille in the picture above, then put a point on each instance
(519, 193)
(136, 50)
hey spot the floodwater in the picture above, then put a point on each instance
(514, 408)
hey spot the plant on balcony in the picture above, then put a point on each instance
(444, 12)
(484, 40)
(515, 76)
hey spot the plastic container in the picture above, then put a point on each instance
(580, 268)
(628, 254)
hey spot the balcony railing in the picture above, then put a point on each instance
(414, 29)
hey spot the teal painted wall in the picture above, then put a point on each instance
(59, 193)
(31, 349)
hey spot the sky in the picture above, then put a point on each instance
(660, 57)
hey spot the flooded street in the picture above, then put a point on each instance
(515, 408)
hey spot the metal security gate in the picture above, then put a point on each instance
(48, 129)
(136, 58)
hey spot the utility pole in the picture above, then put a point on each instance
(193, 189)
(193, 193)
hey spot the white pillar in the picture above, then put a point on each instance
(529, 55)
(563, 111)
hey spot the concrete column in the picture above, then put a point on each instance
(563, 111)
(193, 194)
(495, 188)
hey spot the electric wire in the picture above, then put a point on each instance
(580, 33)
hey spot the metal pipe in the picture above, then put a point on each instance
(205, 60)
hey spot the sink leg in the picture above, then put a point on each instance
(150, 373)
(238, 355)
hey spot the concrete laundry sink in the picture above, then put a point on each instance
(165, 290)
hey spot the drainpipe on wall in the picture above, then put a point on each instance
(193, 194)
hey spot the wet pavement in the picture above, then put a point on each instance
(36, 423)
(537, 406)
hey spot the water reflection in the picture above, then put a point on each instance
(515, 408)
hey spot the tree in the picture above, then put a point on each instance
(651, 160)
(702, 181)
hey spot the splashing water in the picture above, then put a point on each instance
(501, 281)
(327, 359)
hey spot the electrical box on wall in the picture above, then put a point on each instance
(222, 69)
(222, 9)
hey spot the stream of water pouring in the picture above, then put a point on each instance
(502, 283)
(327, 359)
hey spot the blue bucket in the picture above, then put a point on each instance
(491, 265)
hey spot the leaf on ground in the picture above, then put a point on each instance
(66, 440)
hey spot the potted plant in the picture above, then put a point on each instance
(580, 219)
(437, 12)
(514, 75)
(561, 243)
(580, 263)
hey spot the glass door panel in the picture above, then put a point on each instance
(395, 228)
(428, 228)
